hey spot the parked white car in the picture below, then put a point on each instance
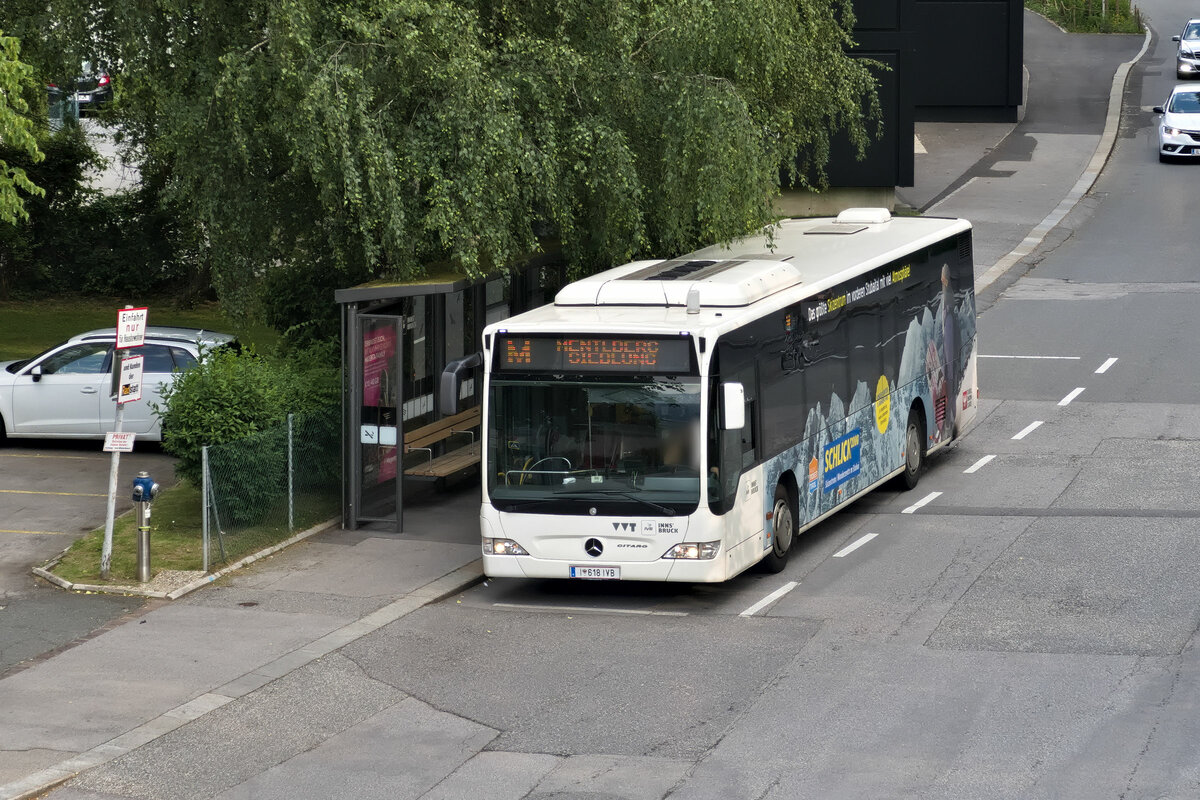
(64, 393)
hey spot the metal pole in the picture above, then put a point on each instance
(204, 504)
(110, 514)
(291, 468)
(143, 542)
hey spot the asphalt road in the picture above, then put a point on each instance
(1023, 625)
(50, 494)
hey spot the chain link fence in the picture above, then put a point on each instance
(261, 490)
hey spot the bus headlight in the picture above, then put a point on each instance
(704, 551)
(503, 547)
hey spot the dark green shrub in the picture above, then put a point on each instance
(233, 395)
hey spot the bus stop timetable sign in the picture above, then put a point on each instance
(131, 327)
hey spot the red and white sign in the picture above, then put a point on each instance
(118, 442)
(131, 327)
(130, 387)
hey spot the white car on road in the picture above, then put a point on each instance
(65, 392)
(1179, 128)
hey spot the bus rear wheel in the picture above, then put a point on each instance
(783, 523)
(914, 450)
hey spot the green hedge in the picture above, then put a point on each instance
(232, 395)
(1090, 16)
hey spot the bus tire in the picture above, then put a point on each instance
(783, 523)
(914, 450)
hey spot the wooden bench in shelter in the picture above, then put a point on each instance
(453, 461)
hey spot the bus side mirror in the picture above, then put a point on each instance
(452, 379)
(733, 406)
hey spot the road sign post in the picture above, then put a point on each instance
(131, 332)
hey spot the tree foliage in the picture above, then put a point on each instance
(16, 131)
(375, 137)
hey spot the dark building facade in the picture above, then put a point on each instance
(946, 60)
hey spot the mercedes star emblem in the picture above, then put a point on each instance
(593, 547)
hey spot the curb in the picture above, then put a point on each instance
(175, 594)
(43, 781)
(1091, 172)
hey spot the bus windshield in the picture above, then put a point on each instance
(560, 446)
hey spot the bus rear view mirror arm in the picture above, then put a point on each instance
(733, 406)
(452, 379)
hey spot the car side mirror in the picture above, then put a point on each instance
(36, 373)
(733, 406)
(1158, 110)
(1174, 38)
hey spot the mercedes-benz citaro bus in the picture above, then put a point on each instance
(682, 420)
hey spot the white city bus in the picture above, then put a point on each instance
(682, 420)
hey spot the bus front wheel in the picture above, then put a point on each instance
(914, 450)
(783, 524)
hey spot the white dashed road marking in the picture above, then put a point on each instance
(1103, 368)
(857, 543)
(1066, 401)
(924, 501)
(771, 598)
(978, 465)
(1028, 429)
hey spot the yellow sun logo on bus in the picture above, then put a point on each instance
(883, 404)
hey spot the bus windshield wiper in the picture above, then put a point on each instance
(518, 504)
(670, 512)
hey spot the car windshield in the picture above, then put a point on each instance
(631, 445)
(1185, 103)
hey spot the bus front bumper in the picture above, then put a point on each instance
(664, 569)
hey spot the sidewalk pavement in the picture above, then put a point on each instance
(256, 639)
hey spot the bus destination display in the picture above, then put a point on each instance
(646, 355)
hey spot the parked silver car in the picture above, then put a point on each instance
(1187, 57)
(64, 393)
(1179, 128)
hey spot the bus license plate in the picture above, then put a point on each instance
(597, 573)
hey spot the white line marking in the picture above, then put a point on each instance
(1066, 401)
(771, 598)
(1103, 368)
(1028, 429)
(850, 548)
(1036, 358)
(924, 501)
(643, 612)
(978, 465)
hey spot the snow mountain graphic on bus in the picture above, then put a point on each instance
(686, 419)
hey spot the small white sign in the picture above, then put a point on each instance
(118, 442)
(369, 434)
(131, 327)
(130, 388)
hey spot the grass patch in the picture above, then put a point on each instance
(1090, 16)
(174, 541)
(28, 328)
(175, 537)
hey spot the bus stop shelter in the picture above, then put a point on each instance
(398, 337)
